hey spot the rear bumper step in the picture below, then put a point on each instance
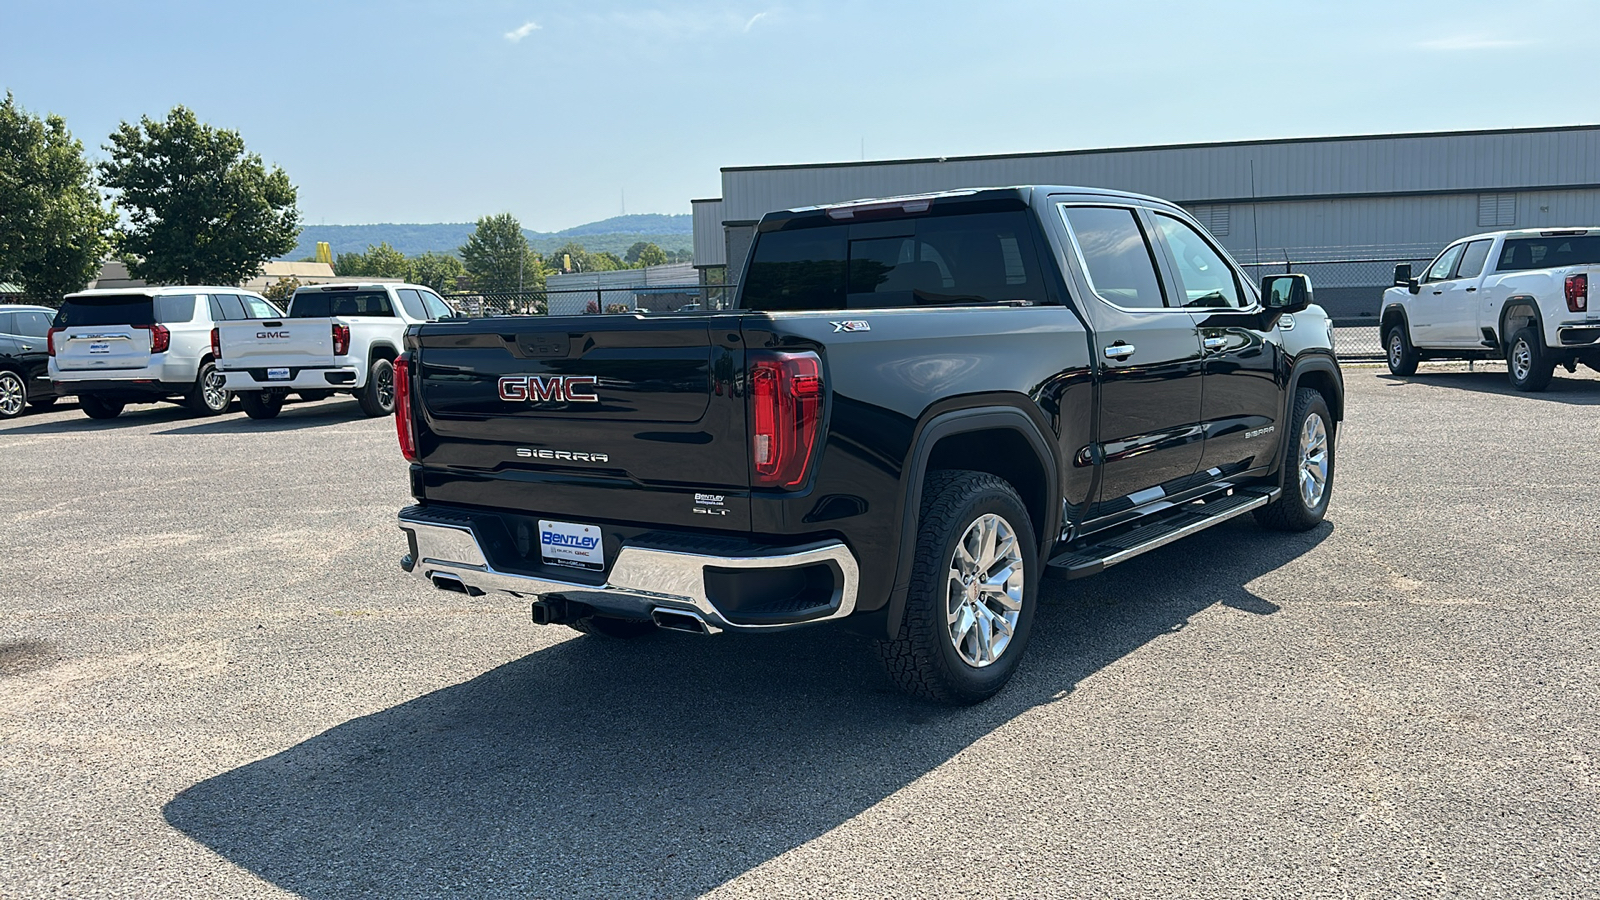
(666, 584)
(1186, 520)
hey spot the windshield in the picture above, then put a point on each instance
(323, 304)
(936, 261)
(1520, 254)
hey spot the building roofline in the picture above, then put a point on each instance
(1268, 142)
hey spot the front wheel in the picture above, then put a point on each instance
(262, 404)
(13, 394)
(1528, 364)
(209, 397)
(973, 587)
(1308, 484)
(1402, 357)
(377, 398)
(98, 408)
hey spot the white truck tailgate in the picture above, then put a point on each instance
(276, 344)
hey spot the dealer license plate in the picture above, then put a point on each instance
(277, 374)
(566, 544)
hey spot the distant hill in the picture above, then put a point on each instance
(614, 235)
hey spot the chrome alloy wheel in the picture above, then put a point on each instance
(984, 598)
(1521, 359)
(1313, 460)
(1397, 348)
(13, 394)
(385, 376)
(212, 390)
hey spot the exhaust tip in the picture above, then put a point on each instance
(679, 620)
(448, 583)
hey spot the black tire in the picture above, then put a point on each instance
(98, 408)
(208, 398)
(1534, 371)
(43, 403)
(923, 659)
(13, 394)
(314, 396)
(377, 398)
(1401, 356)
(613, 627)
(262, 404)
(1293, 510)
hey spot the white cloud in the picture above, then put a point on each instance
(687, 21)
(521, 32)
(754, 19)
(1471, 42)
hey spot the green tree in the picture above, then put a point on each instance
(382, 261)
(53, 227)
(498, 258)
(200, 209)
(439, 271)
(644, 254)
(572, 257)
(281, 290)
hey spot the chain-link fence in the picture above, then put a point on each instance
(1351, 290)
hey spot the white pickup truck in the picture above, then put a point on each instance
(1521, 296)
(335, 338)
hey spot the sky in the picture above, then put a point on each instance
(563, 113)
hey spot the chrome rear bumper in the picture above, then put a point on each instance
(643, 578)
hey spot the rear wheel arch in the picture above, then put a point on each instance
(382, 351)
(1517, 313)
(951, 440)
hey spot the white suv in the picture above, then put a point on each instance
(142, 345)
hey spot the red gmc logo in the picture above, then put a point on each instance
(556, 388)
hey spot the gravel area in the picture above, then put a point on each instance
(215, 681)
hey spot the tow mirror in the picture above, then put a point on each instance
(1286, 293)
(1403, 278)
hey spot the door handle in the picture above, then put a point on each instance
(27, 346)
(1119, 351)
(1470, 290)
(1214, 343)
(1437, 293)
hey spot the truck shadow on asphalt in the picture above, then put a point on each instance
(1575, 390)
(294, 417)
(670, 765)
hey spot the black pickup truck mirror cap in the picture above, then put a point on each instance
(1286, 293)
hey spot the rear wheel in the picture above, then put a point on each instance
(1528, 365)
(973, 585)
(1402, 357)
(262, 404)
(13, 394)
(209, 397)
(613, 627)
(377, 398)
(99, 408)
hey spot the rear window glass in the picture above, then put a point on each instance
(1549, 253)
(322, 304)
(110, 310)
(935, 261)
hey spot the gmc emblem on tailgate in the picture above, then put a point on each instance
(557, 388)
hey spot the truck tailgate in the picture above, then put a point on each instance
(276, 343)
(547, 415)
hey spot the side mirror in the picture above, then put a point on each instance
(1286, 293)
(1403, 278)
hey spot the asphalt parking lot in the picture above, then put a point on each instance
(215, 681)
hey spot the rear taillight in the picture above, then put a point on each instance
(341, 339)
(216, 343)
(1577, 293)
(160, 337)
(785, 416)
(50, 340)
(404, 425)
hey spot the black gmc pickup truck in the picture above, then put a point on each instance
(916, 407)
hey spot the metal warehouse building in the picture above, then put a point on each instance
(1347, 206)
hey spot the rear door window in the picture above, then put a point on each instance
(939, 260)
(1473, 258)
(227, 307)
(1116, 255)
(111, 309)
(411, 302)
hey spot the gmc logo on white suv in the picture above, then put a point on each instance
(556, 388)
